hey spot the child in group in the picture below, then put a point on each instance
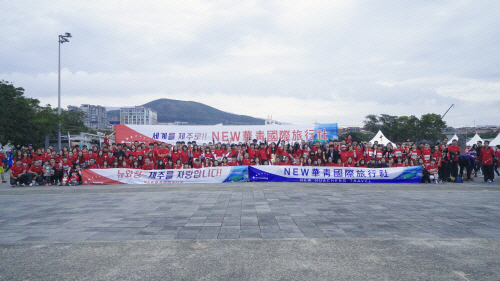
(48, 172)
(433, 170)
(75, 178)
(64, 180)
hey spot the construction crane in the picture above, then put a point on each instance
(442, 117)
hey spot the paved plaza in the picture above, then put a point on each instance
(307, 231)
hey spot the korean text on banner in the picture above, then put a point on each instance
(205, 134)
(334, 174)
(131, 176)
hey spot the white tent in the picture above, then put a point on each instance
(381, 139)
(495, 141)
(474, 140)
(455, 137)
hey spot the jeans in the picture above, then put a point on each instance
(20, 180)
(445, 171)
(467, 167)
(38, 179)
(488, 172)
(454, 168)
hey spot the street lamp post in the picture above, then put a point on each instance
(62, 39)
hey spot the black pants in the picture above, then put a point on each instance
(444, 171)
(488, 172)
(425, 176)
(20, 180)
(38, 179)
(454, 168)
(467, 167)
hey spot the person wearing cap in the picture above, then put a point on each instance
(18, 174)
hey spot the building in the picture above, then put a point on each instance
(270, 121)
(138, 116)
(95, 115)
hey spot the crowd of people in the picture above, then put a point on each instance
(440, 162)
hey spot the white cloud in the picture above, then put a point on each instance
(301, 61)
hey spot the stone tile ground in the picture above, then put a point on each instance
(249, 215)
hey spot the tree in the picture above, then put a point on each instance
(402, 128)
(72, 121)
(488, 135)
(430, 127)
(357, 136)
(24, 121)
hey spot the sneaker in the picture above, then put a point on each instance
(14, 185)
(4, 181)
(484, 181)
(23, 184)
(46, 184)
(31, 184)
(50, 183)
(489, 181)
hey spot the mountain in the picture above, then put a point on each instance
(194, 113)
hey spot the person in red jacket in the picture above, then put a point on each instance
(246, 160)
(178, 164)
(197, 164)
(74, 179)
(26, 160)
(433, 170)
(17, 173)
(163, 152)
(234, 161)
(35, 173)
(453, 153)
(426, 153)
(414, 154)
(486, 158)
(148, 165)
(39, 156)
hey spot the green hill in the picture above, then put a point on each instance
(194, 113)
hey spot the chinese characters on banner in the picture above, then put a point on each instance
(225, 134)
(335, 174)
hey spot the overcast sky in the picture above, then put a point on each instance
(300, 61)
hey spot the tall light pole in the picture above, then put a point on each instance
(62, 39)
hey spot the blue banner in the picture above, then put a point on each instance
(334, 174)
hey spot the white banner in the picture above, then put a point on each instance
(205, 134)
(132, 176)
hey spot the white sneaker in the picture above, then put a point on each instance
(31, 184)
(489, 181)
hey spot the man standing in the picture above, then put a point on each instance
(18, 173)
(119, 151)
(486, 157)
(454, 152)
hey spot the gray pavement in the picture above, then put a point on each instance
(252, 231)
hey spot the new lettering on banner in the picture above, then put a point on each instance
(234, 134)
